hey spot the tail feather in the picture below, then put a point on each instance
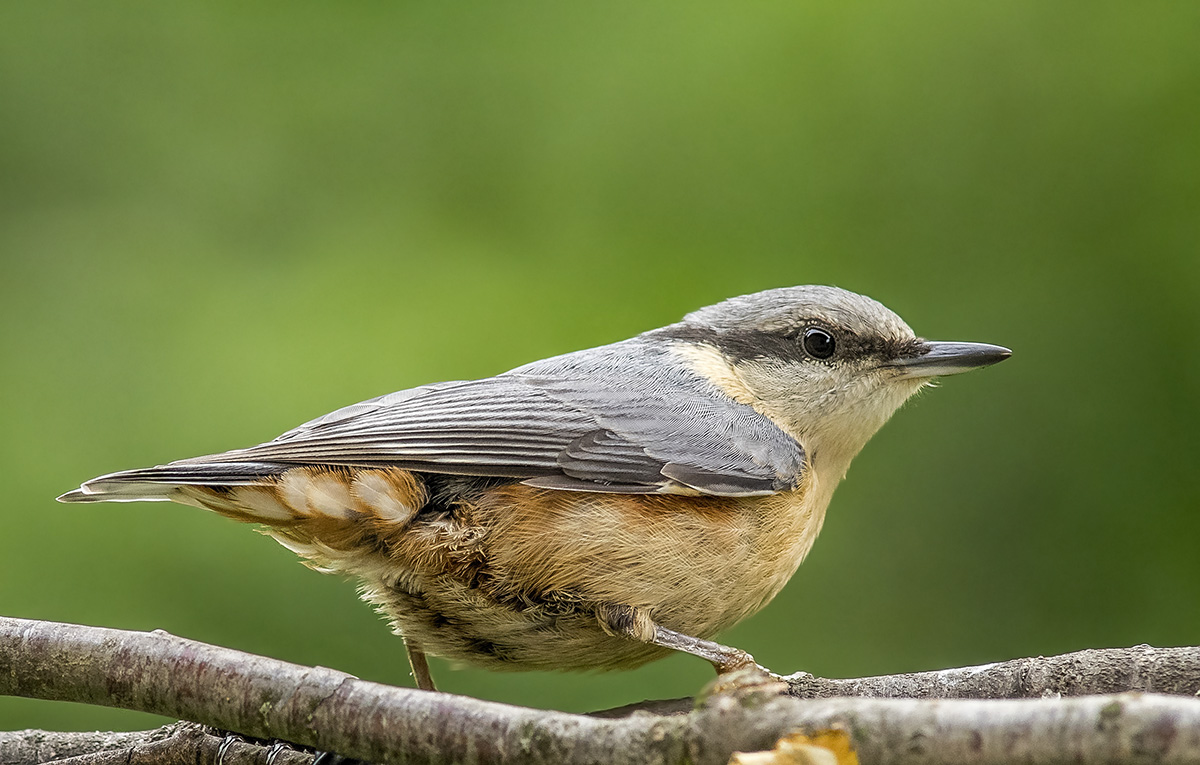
(333, 516)
(164, 481)
(267, 492)
(131, 492)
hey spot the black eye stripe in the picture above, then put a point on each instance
(788, 344)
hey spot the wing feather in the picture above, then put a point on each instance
(558, 424)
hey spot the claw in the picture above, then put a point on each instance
(754, 681)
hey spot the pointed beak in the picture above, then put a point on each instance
(935, 359)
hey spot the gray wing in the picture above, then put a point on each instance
(560, 430)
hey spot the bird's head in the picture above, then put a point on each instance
(826, 365)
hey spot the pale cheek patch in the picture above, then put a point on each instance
(390, 496)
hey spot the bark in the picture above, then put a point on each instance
(180, 743)
(268, 699)
(1173, 671)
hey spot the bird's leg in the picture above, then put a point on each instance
(725, 659)
(636, 623)
(420, 666)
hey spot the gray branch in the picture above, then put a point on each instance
(1174, 671)
(180, 743)
(330, 710)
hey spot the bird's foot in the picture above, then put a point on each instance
(745, 683)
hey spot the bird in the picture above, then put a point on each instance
(593, 510)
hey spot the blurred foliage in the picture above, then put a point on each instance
(218, 220)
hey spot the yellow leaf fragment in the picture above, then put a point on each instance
(826, 747)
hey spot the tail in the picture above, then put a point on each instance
(267, 492)
(337, 518)
(332, 516)
(164, 482)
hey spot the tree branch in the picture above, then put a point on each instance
(180, 743)
(330, 710)
(1174, 671)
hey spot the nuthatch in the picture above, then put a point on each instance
(593, 510)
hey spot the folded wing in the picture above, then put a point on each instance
(557, 429)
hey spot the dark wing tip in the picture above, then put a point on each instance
(567, 483)
(720, 484)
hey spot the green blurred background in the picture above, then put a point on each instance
(219, 220)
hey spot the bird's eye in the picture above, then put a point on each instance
(818, 343)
